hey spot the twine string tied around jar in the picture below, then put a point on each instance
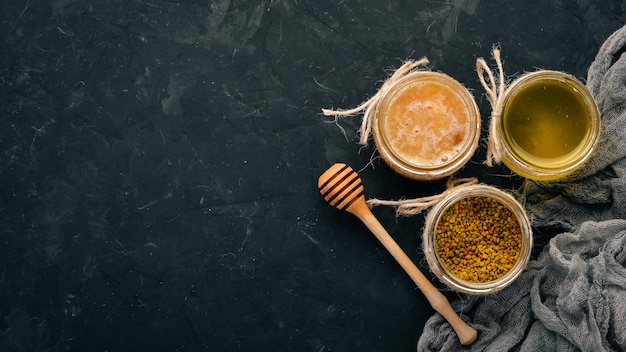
(495, 92)
(370, 105)
(408, 207)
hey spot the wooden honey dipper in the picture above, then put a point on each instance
(342, 188)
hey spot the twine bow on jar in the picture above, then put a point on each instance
(370, 105)
(495, 92)
(408, 207)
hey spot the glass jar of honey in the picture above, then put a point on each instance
(427, 126)
(549, 125)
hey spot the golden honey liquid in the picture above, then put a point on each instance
(426, 124)
(546, 123)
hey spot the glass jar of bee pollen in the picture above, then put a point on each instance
(427, 126)
(549, 125)
(479, 243)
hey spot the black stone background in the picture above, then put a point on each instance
(159, 159)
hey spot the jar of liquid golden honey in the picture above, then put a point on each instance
(549, 125)
(427, 126)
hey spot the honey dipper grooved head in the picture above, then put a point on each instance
(340, 186)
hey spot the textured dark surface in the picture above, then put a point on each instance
(158, 165)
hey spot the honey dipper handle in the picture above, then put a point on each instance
(438, 301)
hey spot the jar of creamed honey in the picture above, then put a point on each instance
(427, 126)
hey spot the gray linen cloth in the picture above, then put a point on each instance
(573, 296)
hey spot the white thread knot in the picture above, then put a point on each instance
(414, 206)
(368, 106)
(495, 91)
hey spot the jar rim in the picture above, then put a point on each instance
(532, 170)
(451, 280)
(443, 169)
